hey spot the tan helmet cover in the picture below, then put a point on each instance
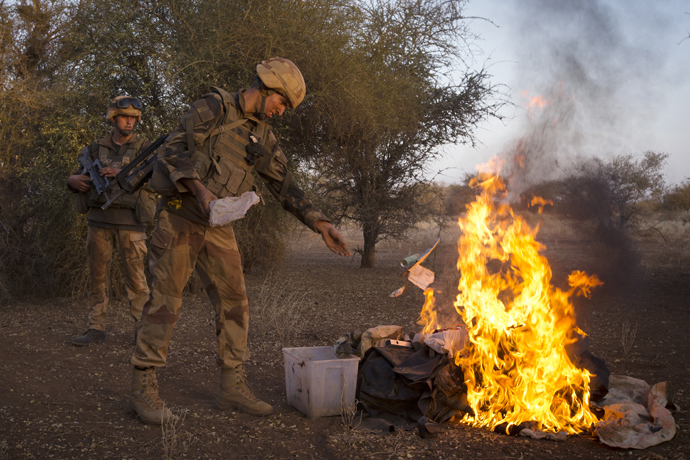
(113, 110)
(283, 76)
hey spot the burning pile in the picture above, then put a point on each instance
(516, 366)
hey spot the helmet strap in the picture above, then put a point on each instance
(262, 115)
(264, 93)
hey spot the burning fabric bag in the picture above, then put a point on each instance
(405, 384)
(408, 384)
(394, 387)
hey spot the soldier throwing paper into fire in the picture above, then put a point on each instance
(220, 142)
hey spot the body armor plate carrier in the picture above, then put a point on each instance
(126, 200)
(221, 159)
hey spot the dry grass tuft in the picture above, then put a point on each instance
(174, 439)
(283, 308)
(398, 443)
(628, 336)
(348, 413)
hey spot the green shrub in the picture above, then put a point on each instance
(678, 199)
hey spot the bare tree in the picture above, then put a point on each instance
(612, 191)
(41, 229)
(374, 132)
(31, 48)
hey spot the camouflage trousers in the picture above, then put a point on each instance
(100, 244)
(177, 246)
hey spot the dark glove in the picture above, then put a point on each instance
(254, 150)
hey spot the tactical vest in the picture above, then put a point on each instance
(221, 160)
(115, 161)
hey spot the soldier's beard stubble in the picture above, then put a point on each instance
(124, 132)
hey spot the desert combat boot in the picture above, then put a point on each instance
(145, 400)
(89, 337)
(235, 394)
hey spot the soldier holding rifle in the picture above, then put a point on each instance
(121, 225)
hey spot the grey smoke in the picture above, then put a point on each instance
(576, 55)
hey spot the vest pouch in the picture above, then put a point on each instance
(229, 180)
(93, 200)
(145, 207)
(127, 200)
(247, 185)
(80, 204)
(202, 163)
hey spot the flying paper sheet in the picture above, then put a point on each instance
(421, 277)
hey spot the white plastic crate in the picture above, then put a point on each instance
(317, 381)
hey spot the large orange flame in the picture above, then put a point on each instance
(428, 317)
(516, 366)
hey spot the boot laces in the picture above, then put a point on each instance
(242, 386)
(150, 382)
(150, 392)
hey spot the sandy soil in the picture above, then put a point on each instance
(63, 402)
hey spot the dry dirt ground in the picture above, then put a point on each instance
(63, 402)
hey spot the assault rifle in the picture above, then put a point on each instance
(93, 170)
(137, 172)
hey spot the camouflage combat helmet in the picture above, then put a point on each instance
(125, 105)
(283, 76)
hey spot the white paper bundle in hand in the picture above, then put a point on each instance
(228, 209)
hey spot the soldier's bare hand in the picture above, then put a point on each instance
(203, 195)
(79, 182)
(109, 171)
(204, 198)
(332, 237)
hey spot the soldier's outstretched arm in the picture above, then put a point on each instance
(332, 237)
(272, 168)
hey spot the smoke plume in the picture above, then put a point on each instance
(587, 72)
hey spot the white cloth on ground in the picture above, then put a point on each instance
(636, 416)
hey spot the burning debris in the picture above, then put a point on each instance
(414, 271)
(516, 365)
(515, 362)
(637, 416)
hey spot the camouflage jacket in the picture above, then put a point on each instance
(121, 215)
(221, 129)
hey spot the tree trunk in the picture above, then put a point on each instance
(369, 252)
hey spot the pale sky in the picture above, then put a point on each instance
(614, 72)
